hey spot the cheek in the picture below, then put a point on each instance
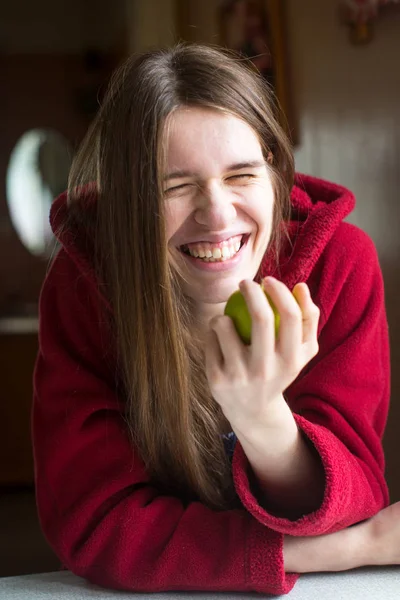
(175, 215)
(259, 207)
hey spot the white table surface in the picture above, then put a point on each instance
(360, 584)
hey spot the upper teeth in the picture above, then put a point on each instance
(212, 252)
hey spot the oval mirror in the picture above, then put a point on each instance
(37, 173)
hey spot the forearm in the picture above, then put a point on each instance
(287, 469)
(339, 551)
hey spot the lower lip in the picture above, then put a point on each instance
(223, 265)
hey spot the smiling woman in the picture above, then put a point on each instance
(182, 192)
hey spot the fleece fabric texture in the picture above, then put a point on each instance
(97, 508)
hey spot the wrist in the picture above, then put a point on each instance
(339, 551)
(276, 420)
(359, 550)
(367, 548)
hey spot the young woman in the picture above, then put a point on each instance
(169, 455)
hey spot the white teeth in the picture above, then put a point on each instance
(222, 253)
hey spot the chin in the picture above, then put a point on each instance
(217, 292)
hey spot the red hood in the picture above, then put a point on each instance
(318, 207)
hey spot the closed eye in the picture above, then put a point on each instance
(176, 188)
(243, 176)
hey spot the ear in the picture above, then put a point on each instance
(270, 158)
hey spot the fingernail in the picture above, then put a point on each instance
(268, 279)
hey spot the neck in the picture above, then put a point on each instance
(203, 315)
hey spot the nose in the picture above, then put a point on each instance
(214, 208)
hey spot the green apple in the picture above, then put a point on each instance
(236, 309)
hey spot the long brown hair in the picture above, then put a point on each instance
(174, 422)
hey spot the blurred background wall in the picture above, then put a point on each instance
(55, 61)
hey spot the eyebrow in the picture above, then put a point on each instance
(253, 164)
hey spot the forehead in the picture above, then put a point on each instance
(199, 137)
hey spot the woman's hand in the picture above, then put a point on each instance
(248, 381)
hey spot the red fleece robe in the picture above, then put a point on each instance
(97, 508)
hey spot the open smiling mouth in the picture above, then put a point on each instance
(210, 252)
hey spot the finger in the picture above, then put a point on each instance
(310, 313)
(230, 344)
(290, 327)
(262, 321)
(213, 356)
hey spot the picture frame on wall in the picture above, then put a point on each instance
(256, 29)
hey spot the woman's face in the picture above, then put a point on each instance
(218, 202)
